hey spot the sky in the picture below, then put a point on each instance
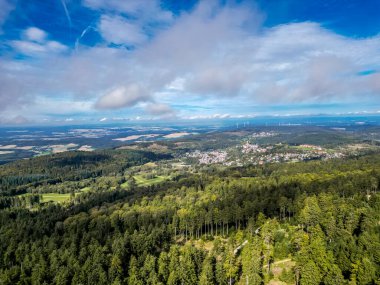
(70, 61)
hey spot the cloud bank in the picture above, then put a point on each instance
(210, 53)
(125, 96)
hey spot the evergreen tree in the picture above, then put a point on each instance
(310, 274)
(207, 274)
(334, 276)
(148, 271)
(187, 267)
(133, 273)
(231, 266)
(163, 267)
(174, 266)
(252, 263)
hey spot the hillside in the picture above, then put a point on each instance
(314, 222)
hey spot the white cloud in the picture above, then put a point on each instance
(217, 81)
(6, 7)
(16, 120)
(54, 46)
(212, 116)
(35, 49)
(214, 55)
(27, 47)
(197, 38)
(118, 30)
(160, 110)
(129, 22)
(37, 44)
(62, 106)
(177, 84)
(35, 34)
(120, 6)
(124, 96)
(374, 82)
(145, 10)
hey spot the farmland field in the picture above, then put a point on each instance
(55, 197)
(142, 181)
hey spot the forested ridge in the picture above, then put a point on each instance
(17, 176)
(212, 226)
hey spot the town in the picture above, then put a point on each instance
(256, 154)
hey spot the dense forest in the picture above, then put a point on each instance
(315, 222)
(17, 177)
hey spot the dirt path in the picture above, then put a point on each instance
(236, 250)
(279, 262)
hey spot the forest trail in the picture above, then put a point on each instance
(236, 250)
(279, 262)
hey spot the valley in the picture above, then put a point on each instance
(263, 205)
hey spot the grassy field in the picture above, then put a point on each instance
(55, 197)
(65, 197)
(85, 189)
(58, 197)
(142, 181)
(52, 197)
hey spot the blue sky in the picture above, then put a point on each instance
(71, 61)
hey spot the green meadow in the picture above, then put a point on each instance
(55, 197)
(142, 181)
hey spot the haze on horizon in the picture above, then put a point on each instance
(108, 60)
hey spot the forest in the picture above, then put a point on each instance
(315, 222)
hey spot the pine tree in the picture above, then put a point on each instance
(163, 264)
(207, 274)
(310, 274)
(363, 272)
(334, 276)
(116, 270)
(311, 213)
(174, 275)
(187, 268)
(148, 271)
(231, 266)
(252, 263)
(133, 272)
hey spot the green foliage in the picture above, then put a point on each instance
(252, 264)
(310, 274)
(334, 276)
(207, 276)
(134, 277)
(287, 276)
(323, 216)
(231, 265)
(68, 166)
